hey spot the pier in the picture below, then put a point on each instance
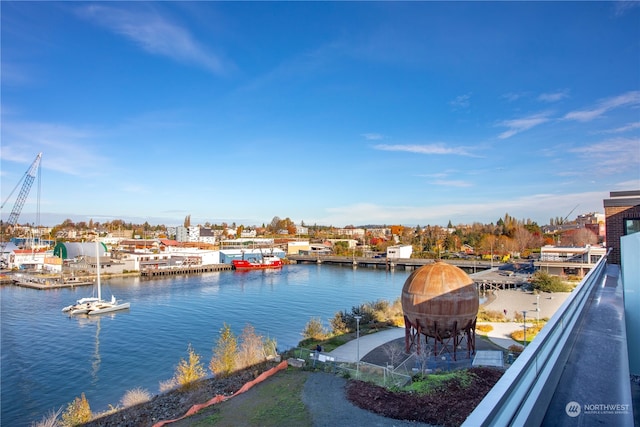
(486, 277)
(386, 263)
(193, 269)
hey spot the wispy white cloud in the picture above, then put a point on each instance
(626, 99)
(452, 183)
(461, 102)
(623, 6)
(622, 129)
(425, 149)
(513, 96)
(628, 185)
(554, 96)
(516, 126)
(303, 65)
(373, 136)
(611, 156)
(66, 149)
(155, 34)
(530, 206)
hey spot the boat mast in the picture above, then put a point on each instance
(98, 269)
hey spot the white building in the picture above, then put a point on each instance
(247, 233)
(399, 251)
(565, 261)
(302, 230)
(26, 259)
(587, 255)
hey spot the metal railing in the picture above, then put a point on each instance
(521, 396)
(384, 376)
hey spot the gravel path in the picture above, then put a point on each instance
(324, 396)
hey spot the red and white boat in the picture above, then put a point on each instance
(267, 261)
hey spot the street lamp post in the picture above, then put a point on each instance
(491, 253)
(358, 317)
(524, 325)
(538, 307)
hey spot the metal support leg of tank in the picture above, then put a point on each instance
(408, 339)
(435, 338)
(455, 340)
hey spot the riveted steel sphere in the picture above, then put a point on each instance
(439, 299)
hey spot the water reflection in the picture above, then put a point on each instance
(103, 356)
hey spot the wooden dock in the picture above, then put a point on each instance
(193, 269)
(44, 283)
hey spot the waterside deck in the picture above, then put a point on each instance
(194, 269)
(42, 283)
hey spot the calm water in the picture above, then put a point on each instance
(48, 358)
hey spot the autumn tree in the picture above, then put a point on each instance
(341, 248)
(223, 362)
(188, 372)
(274, 224)
(251, 349)
(78, 412)
(580, 237)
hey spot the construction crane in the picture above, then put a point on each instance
(565, 218)
(28, 179)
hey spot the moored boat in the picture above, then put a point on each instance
(266, 262)
(96, 305)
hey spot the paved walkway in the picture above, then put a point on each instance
(500, 335)
(514, 301)
(349, 352)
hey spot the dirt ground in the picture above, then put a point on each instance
(449, 407)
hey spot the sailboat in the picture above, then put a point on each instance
(96, 305)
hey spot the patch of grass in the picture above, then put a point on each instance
(328, 344)
(49, 420)
(135, 397)
(433, 383)
(275, 402)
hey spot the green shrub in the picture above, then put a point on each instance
(78, 412)
(484, 328)
(223, 362)
(515, 348)
(532, 331)
(491, 316)
(189, 372)
(545, 282)
(432, 383)
(314, 330)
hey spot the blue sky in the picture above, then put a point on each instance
(334, 113)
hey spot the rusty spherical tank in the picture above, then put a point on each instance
(440, 297)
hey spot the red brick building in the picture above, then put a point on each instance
(622, 216)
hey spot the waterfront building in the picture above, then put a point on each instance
(400, 251)
(622, 212)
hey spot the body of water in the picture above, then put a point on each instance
(48, 358)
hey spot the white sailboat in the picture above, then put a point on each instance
(95, 305)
